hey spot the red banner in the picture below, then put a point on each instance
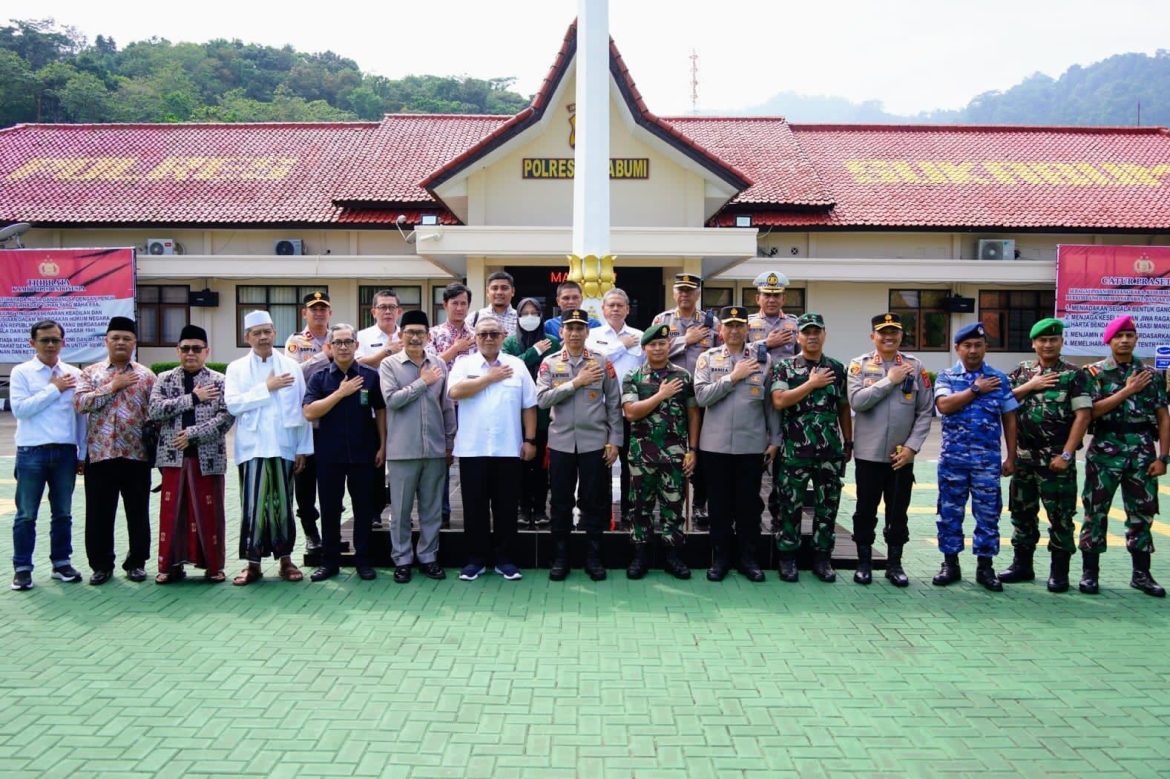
(79, 288)
(1096, 283)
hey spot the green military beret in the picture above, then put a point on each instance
(1049, 326)
(654, 333)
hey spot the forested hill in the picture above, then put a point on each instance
(1108, 92)
(50, 73)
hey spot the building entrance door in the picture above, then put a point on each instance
(643, 285)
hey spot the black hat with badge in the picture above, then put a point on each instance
(733, 314)
(687, 281)
(577, 315)
(317, 299)
(882, 321)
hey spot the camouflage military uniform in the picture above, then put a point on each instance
(1124, 445)
(1045, 419)
(658, 442)
(759, 326)
(969, 461)
(812, 452)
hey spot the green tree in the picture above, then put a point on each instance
(18, 90)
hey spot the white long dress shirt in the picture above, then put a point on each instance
(44, 414)
(372, 340)
(608, 341)
(268, 424)
(490, 422)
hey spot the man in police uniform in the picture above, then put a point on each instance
(892, 405)
(1129, 415)
(777, 331)
(692, 332)
(976, 403)
(302, 347)
(1054, 414)
(739, 439)
(584, 434)
(809, 391)
(658, 399)
(317, 311)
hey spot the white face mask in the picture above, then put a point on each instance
(529, 322)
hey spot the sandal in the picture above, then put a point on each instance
(247, 576)
(216, 577)
(290, 573)
(175, 575)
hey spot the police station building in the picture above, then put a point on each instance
(944, 225)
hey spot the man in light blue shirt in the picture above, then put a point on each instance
(50, 451)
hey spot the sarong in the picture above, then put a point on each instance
(191, 518)
(267, 525)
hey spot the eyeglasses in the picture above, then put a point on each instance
(191, 349)
(490, 334)
(345, 343)
(49, 341)
(412, 333)
(385, 307)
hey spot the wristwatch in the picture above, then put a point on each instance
(975, 390)
(1165, 459)
(1066, 456)
(530, 441)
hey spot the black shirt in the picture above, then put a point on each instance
(349, 432)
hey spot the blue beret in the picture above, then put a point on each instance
(973, 330)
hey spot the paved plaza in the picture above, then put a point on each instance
(657, 678)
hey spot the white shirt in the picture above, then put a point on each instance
(267, 423)
(490, 420)
(606, 340)
(372, 340)
(44, 414)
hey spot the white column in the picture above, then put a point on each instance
(591, 155)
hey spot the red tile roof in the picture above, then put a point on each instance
(799, 177)
(180, 174)
(1024, 178)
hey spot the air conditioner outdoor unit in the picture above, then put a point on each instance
(160, 245)
(288, 246)
(997, 249)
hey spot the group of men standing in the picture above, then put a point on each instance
(717, 400)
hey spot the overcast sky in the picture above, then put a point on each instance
(911, 55)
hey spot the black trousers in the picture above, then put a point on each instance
(733, 499)
(332, 480)
(305, 489)
(104, 482)
(534, 483)
(877, 482)
(624, 459)
(585, 474)
(491, 493)
(379, 495)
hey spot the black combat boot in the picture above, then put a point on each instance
(674, 564)
(748, 566)
(788, 570)
(720, 565)
(894, 571)
(593, 564)
(1141, 576)
(559, 570)
(864, 572)
(312, 534)
(822, 567)
(949, 573)
(640, 564)
(1021, 569)
(1058, 571)
(985, 575)
(1090, 570)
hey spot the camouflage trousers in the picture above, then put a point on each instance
(1036, 484)
(1139, 494)
(795, 476)
(661, 484)
(955, 483)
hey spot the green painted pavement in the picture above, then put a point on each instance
(656, 678)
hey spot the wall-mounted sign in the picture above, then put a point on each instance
(562, 168)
